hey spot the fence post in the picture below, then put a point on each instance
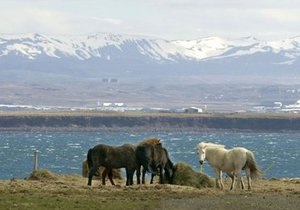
(35, 164)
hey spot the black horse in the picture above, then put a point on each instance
(154, 159)
(112, 157)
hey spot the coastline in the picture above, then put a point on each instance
(148, 122)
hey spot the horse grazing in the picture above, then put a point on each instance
(169, 171)
(231, 161)
(112, 157)
(155, 159)
(151, 141)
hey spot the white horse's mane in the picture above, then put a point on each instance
(209, 144)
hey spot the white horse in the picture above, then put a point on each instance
(231, 161)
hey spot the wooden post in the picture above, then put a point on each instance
(35, 165)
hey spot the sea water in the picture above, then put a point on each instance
(277, 154)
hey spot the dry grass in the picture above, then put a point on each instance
(186, 176)
(46, 190)
(42, 175)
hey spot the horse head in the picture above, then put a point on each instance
(170, 171)
(201, 147)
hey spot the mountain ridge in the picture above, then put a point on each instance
(135, 56)
(85, 47)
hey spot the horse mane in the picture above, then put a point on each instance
(209, 144)
(152, 141)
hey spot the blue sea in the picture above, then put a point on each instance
(63, 152)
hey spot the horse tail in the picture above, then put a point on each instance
(89, 159)
(252, 165)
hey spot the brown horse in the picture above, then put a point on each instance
(112, 157)
(151, 141)
(109, 171)
(155, 159)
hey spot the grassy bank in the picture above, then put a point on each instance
(138, 121)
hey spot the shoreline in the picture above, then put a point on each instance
(148, 122)
(139, 129)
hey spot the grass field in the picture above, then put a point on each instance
(53, 191)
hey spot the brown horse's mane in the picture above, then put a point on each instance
(152, 141)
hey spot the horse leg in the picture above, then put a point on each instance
(138, 175)
(236, 178)
(217, 178)
(143, 175)
(104, 173)
(239, 178)
(161, 176)
(127, 177)
(110, 176)
(152, 176)
(91, 174)
(130, 175)
(233, 178)
(221, 182)
(242, 183)
(248, 178)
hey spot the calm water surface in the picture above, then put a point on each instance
(63, 152)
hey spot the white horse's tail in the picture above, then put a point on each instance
(252, 165)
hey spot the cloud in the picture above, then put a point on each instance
(281, 15)
(37, 20)
(107, 20)
(170, 19)
(28, 20)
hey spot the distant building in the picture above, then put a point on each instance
(107, 104)
(259, 109)
(295, 108)
(109, 80)
(113, 80)
(193, 110)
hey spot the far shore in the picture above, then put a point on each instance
(148, 122)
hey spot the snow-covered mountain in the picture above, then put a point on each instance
(106, 53)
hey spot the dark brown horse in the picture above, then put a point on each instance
(112, 157)
(151, 141)
(169, 171)
(155, 159)
(109, 171)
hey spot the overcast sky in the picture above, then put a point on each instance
(170, 19)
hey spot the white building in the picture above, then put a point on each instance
(193, 110)
(295, 108)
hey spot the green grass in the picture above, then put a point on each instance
(37, 200)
